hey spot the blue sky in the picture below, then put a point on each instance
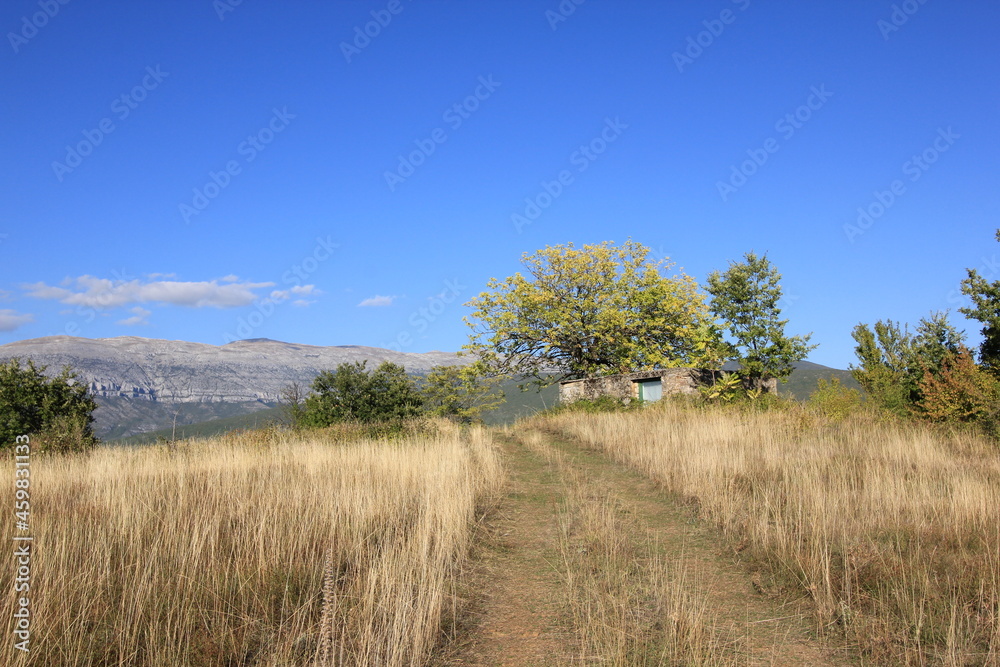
(207, 171)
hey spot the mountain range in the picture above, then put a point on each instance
(142, 384)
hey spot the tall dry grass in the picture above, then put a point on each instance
(892, 529)
(274, 550)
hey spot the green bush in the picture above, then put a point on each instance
(55, 412)
(833, 400)
(597, 405)
(352, 394)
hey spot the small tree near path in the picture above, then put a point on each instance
(460, 393)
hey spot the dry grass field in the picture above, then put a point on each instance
(261, 548)
(326, 548)
(893, 530)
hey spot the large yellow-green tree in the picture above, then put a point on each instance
(594, 310)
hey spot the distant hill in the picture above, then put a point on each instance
(804, 380)
(205, 429)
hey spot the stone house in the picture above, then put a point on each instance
(645, 386)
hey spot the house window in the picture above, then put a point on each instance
(650, 390)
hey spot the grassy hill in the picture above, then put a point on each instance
(204, 429)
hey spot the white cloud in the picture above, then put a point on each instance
(377, 300)
(302, 303)
(139, 316)
(301, 290)
(104, 293)
(231, 278)
(11, 320)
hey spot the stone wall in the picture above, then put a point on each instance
(624, 387)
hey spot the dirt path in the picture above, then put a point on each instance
(517, 589)
(519, 613)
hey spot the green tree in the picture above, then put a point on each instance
(462, 393)
(596, 310)
(351, 393)
(57, 411)
(985, 296)
(745, 297)
(886, 357)
(895, 361)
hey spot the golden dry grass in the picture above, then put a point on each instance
(892, 529)
(264, 550)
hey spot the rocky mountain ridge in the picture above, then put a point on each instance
(144, 384)
(182, 372)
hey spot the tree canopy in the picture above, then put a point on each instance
(596, 310)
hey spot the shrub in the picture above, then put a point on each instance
(961, 392)
(350, 393)
(597, 405)
(57, 411)
(833, 400)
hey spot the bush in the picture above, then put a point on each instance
(961, 392)
(352, 394)
(56, 412)
(833, 400)
(597, 405)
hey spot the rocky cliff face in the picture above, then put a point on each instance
(138, 379)
(181, 372)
